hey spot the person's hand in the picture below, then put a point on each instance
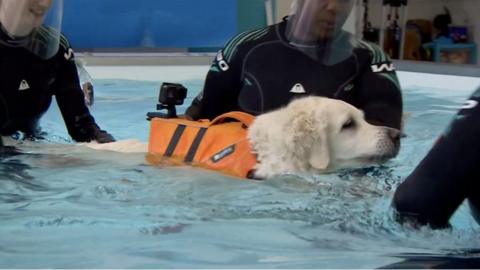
(7, 151)
(101, 136)
(88, 93)
(185, 116)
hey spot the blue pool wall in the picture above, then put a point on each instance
(158, 24)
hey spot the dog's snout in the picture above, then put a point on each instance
(392, 140)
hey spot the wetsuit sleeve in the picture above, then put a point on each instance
(80, 124)
(380, 95)
(447, 175)
(222, 85)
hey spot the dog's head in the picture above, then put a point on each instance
(319, 134)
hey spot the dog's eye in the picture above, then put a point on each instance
(348, 124)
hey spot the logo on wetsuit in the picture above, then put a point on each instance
(377, 68)
(469, 104)
(24, 85)
(298, 89)
(222, 64)
(69, 54)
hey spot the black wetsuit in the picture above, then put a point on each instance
(27, 84)
(447, 175)
(259, 71)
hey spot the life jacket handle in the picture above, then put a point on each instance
(242, 117)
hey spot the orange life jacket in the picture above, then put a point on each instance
(220, 144)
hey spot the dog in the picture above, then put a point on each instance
(310, 135)
(318, 135)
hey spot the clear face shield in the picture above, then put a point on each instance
(315, 28)
(31, 24)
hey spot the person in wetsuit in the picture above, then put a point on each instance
(306, 54)
(447, 175)
(36, 63)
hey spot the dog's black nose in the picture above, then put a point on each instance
(394, 134)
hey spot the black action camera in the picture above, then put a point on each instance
(171, 94)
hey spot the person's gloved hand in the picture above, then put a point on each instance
(99, 135)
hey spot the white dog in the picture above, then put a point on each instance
(316, 134)
(311, 134)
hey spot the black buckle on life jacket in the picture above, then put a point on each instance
(251, 175)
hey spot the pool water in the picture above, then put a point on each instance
(63, 205)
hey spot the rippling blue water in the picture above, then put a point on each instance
(66, 206)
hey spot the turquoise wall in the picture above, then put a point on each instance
(251, 14)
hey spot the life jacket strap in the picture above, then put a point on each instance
(242, 117)
(195, 144)
(174, 140)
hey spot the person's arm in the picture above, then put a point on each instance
(222, 85)
(70, 99)
(447, 175)
(380, 94)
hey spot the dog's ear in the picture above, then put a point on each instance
(320, 152)
(298, 135)
(309, 139)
